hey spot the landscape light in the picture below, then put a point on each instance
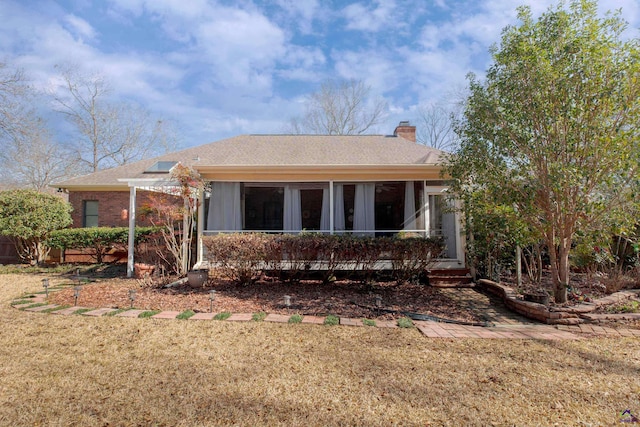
(45, 285)
(132, 296)
(287, 301)
(378, 301)
(76, 294)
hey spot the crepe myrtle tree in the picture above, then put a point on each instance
(553, 129)
(174, 212)
(28, 217)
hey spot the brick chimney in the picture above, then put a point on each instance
(406, 131)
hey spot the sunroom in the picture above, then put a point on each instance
(377, 208)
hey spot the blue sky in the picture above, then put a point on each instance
(223, 68)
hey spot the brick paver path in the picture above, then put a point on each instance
(502, 323)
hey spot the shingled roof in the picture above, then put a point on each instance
(277, 150)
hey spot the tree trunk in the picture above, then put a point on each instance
(555, 279)
(563, 271)
(519, 265)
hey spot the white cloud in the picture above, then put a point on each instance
(301, 13)
(81, 28)
(363, 18)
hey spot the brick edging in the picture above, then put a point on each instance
(551, 315)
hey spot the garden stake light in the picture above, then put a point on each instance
(378, 302)
(287, 302)
(45, 285)
(212, 296)
(76, 294)
(132, 296)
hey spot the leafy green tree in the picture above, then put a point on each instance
(28, 217)
(553, 130)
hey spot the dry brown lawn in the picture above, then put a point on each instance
(62, 371)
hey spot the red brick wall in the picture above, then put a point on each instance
(113, 207)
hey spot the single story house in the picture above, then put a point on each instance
(363, 184)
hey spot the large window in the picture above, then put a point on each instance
(263, 208)
(90, 213)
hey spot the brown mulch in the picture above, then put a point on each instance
(343, 298)
(583, 287)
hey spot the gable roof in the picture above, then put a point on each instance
(274, 151)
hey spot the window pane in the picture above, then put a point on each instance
(263, 208)
(90, 213)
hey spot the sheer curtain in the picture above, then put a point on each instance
(409, 207)
(292, 220)
(338, 207)
(364, 208)
(225, 211)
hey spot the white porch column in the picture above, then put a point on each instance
(132, 230)
(200, 229)
(427, 213)
(331, 209)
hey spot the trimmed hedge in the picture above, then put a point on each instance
(243, 257)
(100, 239)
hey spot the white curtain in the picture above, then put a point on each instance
(338, 206)
(409, 207)
(225, 212)
(292, 220)
(325, 213)
(364, 208)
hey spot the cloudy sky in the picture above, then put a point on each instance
(222, 68)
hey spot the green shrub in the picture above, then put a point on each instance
(100, 239)
(368, 322)
(332, 320)
(186, 314)
(259, 317)
(28, 217)
(405, 322)
(296, 318)
(147, 314)
(222, 316)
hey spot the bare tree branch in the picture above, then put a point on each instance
(340, 108)
(108, 134)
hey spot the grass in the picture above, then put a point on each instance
(258, 317)
(68, 370)
(52, 309)
(34, 305)
(368, 322)
(186, 314)
(118, 311)
(21, 301)
(148, 313)
(82, 310)
(295, 318)
(405, 322)
(332, 320)
(222, 316)
(628, 307)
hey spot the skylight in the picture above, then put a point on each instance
(161, 167)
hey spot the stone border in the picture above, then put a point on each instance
(572, 315)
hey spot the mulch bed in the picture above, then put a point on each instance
(343, 298)
(583, 287)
